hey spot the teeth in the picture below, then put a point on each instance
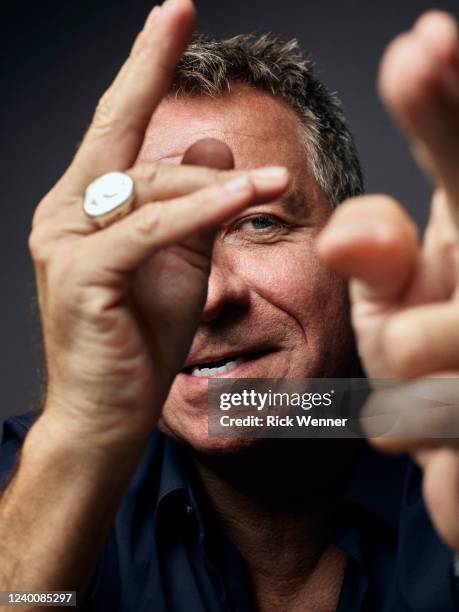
(230, 365)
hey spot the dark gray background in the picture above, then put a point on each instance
(59, 57)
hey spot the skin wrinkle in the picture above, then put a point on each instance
(149, 146)
(208, 124)
(295, 318)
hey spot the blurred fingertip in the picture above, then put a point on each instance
(436, 23)
(407, 70)
(185, 7)
(439, 31)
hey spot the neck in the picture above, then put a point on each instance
(273, 500)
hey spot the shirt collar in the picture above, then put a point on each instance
(177, 494)
(172, 474)
(375, 483)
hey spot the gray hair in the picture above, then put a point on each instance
(208, 67)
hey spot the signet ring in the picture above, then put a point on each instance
(109, 198)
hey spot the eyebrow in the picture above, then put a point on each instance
(296, 203)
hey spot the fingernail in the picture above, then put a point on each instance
(240, 183)
(152, 17)
(270, 173)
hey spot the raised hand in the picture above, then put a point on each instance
(112, 350)
(404, 294)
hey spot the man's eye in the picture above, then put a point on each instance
(261, 228)
(260, 223)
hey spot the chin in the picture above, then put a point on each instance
(195, 437)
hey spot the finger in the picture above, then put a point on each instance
(209, 152)
(439, 30)
(190, 283)
(158, 182)
(405, 415)
(393, 444)
(163, 181)
(426, 337)
(423, 456)
(215, 154)
(371, 240)
(438, 276)
(128, 243)
(124, 111)
(441, 494)
(419, 82)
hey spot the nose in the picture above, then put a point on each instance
(227, 290)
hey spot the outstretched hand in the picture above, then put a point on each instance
(404, 293)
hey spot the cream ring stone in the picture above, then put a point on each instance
(109, 198)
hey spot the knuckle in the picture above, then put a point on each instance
(147, 171)
(46, 207)
(103, 115)
(38, 216)
(144, 53)
(38, 244)
(95, 305)
(39, 213)
(34, 244)
(201, 197)
(146, 222)
(109, 116)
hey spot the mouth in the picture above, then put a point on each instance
(221, 366)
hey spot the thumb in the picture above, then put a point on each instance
(209, 152)
(372, 241)
(212, 153)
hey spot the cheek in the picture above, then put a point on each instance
(291, 278)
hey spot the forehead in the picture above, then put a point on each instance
(259, 128)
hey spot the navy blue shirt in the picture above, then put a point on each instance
(166, 551)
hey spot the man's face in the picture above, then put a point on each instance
(271, 305)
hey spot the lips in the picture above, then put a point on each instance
(220, 365)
